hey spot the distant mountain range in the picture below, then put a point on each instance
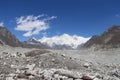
(108, 39)
(37, 43)
(7, 38)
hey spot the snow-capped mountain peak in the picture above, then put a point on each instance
(65, 39)
(33, 39)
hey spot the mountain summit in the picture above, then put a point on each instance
(33, 41)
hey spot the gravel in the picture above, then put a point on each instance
(59, 64)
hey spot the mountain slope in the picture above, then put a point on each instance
(6, 37)
(109, 39)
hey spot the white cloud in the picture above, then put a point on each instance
(64, 39)
(32, 25)
(1, 24)
(50, 18)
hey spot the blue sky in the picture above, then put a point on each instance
(74, 17)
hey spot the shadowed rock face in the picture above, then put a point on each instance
(109, 38)
(8, 38)
(1, 42)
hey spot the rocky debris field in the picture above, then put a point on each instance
(32, 64)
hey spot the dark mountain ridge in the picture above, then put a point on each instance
(108, 39)
(6, 37)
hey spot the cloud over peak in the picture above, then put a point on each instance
(65, 39)
(32, 25)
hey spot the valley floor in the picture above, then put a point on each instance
(38, 64)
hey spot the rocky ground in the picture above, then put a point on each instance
(33, 64)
